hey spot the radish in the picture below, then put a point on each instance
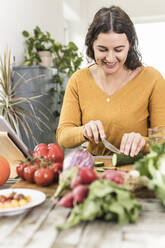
(87, 175)
(66, 201)
(80, 193)
(114, 176)
(75, 181)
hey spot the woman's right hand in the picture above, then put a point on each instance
(94, 131)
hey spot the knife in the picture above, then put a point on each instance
(110, 147)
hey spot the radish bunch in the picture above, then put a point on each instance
(79, 188)
(76, 181)
(114, 176)
(80, 181)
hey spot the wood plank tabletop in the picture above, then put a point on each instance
(37, 227)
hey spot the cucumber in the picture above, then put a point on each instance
(99, 164)
(105, 168)
(100, 170)
(121, 159)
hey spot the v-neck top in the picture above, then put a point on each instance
(137, 105)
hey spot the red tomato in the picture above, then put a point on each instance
(37, 161)
(50, 152)
(56, 168)
(43, 176)
(20, 169)
(55, 152)
(4, 170)
(28, 163)
(41, 145)
(28, 172)
(41, 150)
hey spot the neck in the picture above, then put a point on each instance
(117, 77)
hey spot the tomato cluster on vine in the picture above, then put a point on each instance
(44, 167)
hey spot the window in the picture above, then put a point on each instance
(152, 44)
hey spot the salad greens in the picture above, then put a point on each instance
(106, 200)
(153, 167)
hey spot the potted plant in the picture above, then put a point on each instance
(65, 57)
(13, 107)
(66, 60)
(38, 47)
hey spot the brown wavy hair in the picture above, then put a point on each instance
(115, 19)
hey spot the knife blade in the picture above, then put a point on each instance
(110, 147)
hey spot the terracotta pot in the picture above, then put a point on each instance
(46, 58)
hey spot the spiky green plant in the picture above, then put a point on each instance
(12, 107)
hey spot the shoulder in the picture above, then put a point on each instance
(78, 75)
(153, 73)
(154, 81)
(79, 79)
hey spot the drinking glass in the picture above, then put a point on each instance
(156, 135)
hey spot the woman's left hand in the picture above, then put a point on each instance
(132, 144)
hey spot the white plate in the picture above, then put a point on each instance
(37, 197)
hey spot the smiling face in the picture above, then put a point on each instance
(110, 51)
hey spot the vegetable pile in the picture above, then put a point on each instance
(45, 165)
(152, 166)
(105, 200)
(109, 197)
(91, 197)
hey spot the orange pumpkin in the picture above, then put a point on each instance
(4, 170)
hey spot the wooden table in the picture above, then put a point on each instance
(36, 228)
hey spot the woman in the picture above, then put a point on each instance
(116, 98)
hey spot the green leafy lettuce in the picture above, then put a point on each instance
(153, 167)
(106, 200)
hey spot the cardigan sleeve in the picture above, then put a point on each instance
(156, 107)
(70, 129)
(157, 104)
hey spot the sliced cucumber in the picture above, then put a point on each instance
(121, 159)
(99, 164)
(100, 170)
(105, 168)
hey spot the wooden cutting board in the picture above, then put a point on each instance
(50, 190)
(108, 163)
(11, 152)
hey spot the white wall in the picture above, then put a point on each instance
(151, 44)
(147, 9)
(77, 23)
(149, 19)
(19, 15)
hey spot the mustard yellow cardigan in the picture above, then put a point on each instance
(133, 108)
